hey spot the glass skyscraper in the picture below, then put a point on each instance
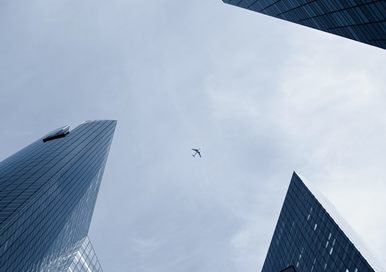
(47, 197)
(307, 238)
(363, 21)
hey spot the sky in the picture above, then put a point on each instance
(261, 98)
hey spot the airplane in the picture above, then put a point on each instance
(197, 151)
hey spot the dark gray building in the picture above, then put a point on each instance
(363, 21)
(47, 197)
(308, 238)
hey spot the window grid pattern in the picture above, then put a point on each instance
(308, 239)
(84, 258)
(47, 196)
(363, 21)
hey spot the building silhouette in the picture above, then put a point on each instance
(308, 238)
(363, 21)
(47, 197)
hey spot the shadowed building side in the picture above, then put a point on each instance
(289, 269)
(307, 238)
(362, 21)
(48, 192)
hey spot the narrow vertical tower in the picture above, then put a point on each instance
(363, 21)
(47, 197)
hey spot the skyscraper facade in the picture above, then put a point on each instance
(363, 21)
(47, 197)
(307, 238)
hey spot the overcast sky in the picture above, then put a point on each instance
(261, 98)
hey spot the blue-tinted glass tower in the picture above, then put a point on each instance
(363, 21)
(307, 238)
(47, 196)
